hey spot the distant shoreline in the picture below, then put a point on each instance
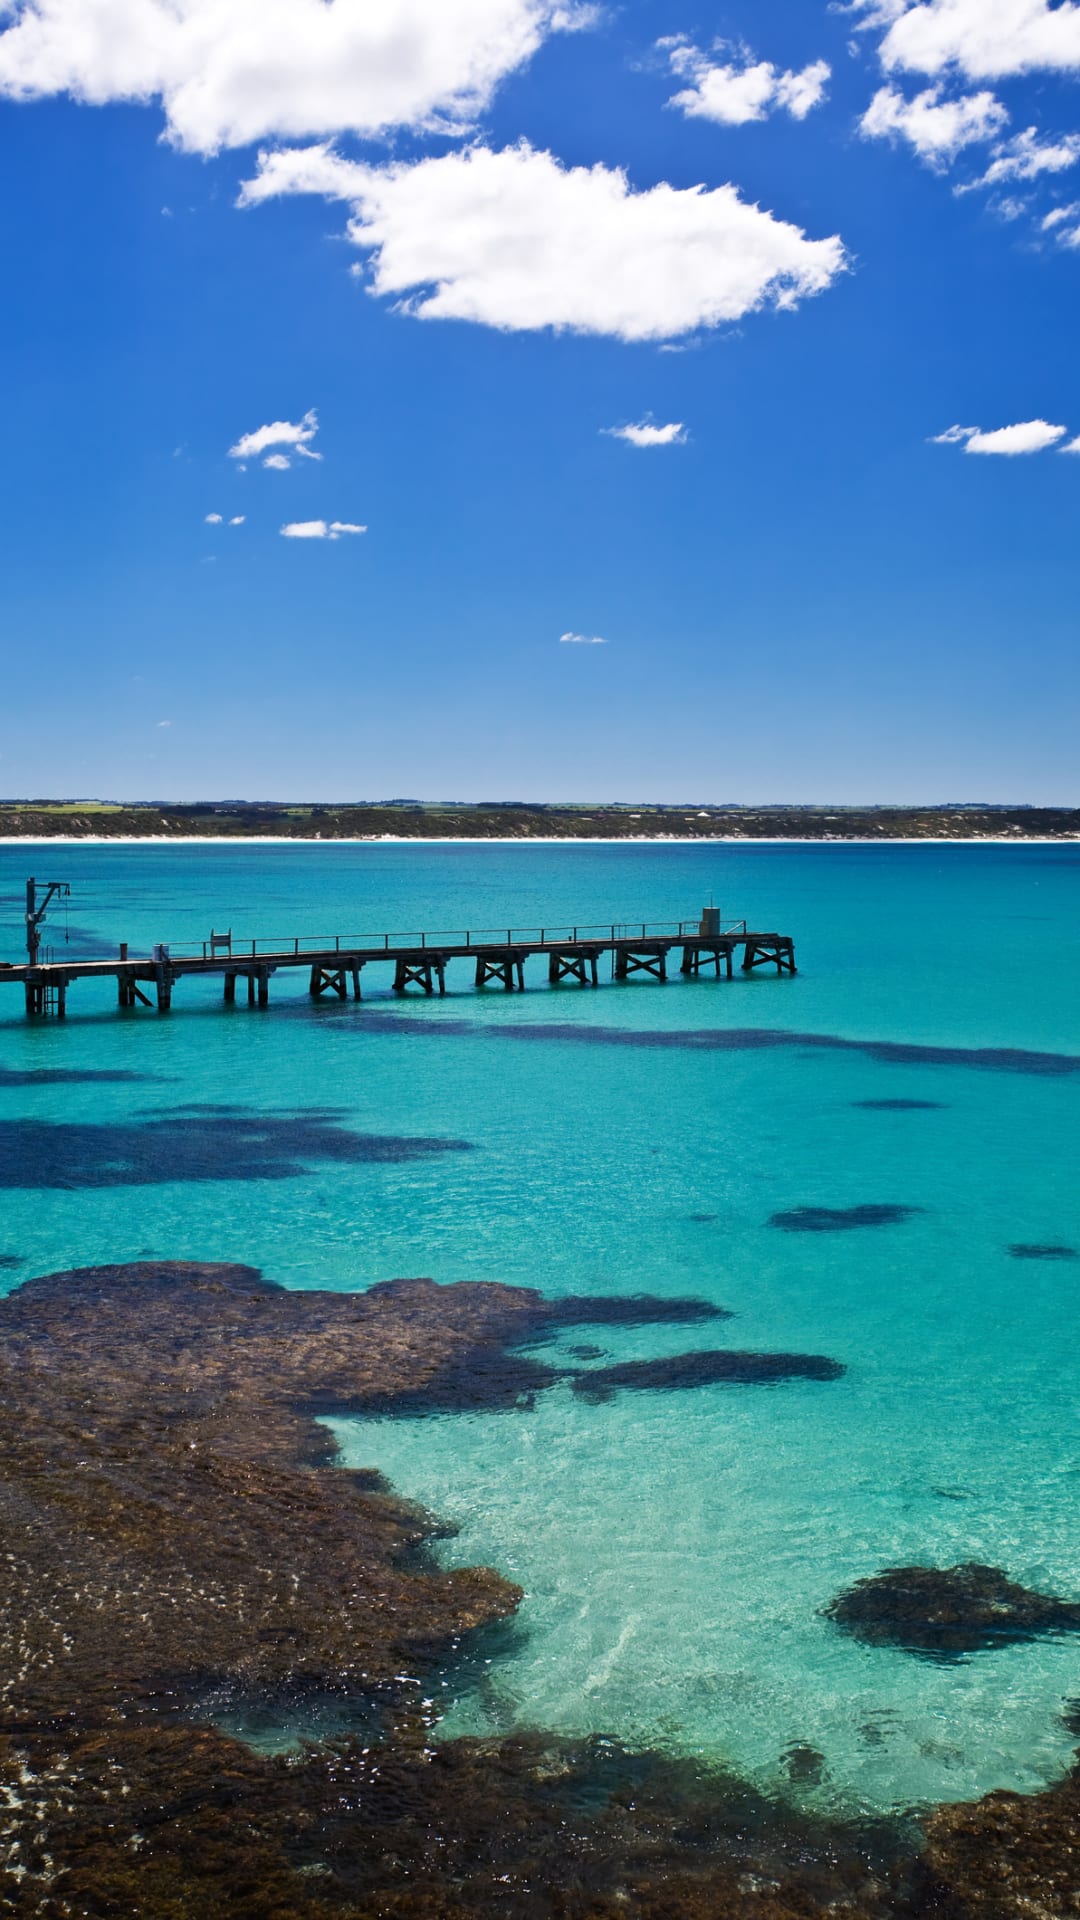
(513, 822)
(538, 840)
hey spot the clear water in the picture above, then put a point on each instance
(675, 1548)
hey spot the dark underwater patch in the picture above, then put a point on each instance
(899, 1106)
(1042, 1250)
(840, 1219)
(486, 1380)
(70, 1076)
(943, 1613)
(9, 1261)
(241, 1145)
(709, 1369)
(630, 1310)
(702, 1219)
(893, 1053)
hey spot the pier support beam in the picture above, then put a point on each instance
(695, 958)
(574, 965)
(769, 949)
(163, 981)
(649, 959)
(335, 979)
(507, 966)
(422, 970)
(47, 996)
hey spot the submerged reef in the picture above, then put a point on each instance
(1042, 1250)
(944, 1612)
(174, 1533)
(899, 1106)
(841, 1219)
(705, 1369)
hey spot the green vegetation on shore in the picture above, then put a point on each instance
(518, 820)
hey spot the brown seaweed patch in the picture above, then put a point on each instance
(946, 1612)
(1008, 1856)
(238, 1144)
(705, 1369)
(171, 1535)
(841, 1219)
(186, 1824)
(1042, 1250)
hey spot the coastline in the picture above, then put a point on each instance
(534, 840)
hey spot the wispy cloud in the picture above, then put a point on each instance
(936, 127)
(319, 529)
(1026, 156)
(218, 520)
(1027, 436)
(737, 91)
(214, 519)
(279, 433)
(644, 434)
(581, 640)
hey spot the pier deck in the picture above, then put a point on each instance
(419, 960)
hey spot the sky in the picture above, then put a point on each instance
(527, 399)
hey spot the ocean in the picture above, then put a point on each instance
(871, 1162)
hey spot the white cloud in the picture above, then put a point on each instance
(644, 434)
(230, 72)
(1028, 436)
(737, 91)
(1058, 216)
(213, 519)
(279, 433)
(278, 462)
(516, 240)
(581, 640)
(319, 529)
(983, 39)
(237, 520)
(1025, 157)
(164, 723)
(936, 127)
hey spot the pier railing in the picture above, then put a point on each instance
(468, 938)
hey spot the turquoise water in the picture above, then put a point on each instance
(676, 1548)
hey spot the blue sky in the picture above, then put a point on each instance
(801, 592)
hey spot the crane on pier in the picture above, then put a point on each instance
(36, 911)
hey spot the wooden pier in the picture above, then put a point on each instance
(419, 961)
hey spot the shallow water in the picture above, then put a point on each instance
(676, 1547)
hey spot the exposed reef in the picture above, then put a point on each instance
(173, 1533)
(840, 1219)
(704, 1369)
(945, 1612)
